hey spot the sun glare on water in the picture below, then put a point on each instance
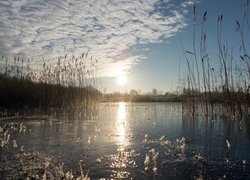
(121, 119)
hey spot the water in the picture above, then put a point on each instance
(142, 141)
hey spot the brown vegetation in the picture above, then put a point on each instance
(65, 85)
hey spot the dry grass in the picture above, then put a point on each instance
(229, 83)
(16, 163)
(68, 83)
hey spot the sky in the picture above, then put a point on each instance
(139, 39)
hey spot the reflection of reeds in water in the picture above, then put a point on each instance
(229, 83)
(69, 82)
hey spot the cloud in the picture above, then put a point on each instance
(106, 29)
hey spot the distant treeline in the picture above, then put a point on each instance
(185, 96)
(117, 97)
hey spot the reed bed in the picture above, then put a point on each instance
(68, 83)
(226, 82)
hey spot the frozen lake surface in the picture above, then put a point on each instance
(141, 141)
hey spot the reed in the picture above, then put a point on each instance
(67, 83)
(203, 87)
(18, 163)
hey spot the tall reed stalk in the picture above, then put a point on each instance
(234, 74)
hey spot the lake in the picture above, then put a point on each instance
(137, 141)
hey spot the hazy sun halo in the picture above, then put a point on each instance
(121, 80)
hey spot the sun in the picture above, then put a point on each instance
(121, 80)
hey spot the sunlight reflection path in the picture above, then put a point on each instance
(121, 120)
(123, 158)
